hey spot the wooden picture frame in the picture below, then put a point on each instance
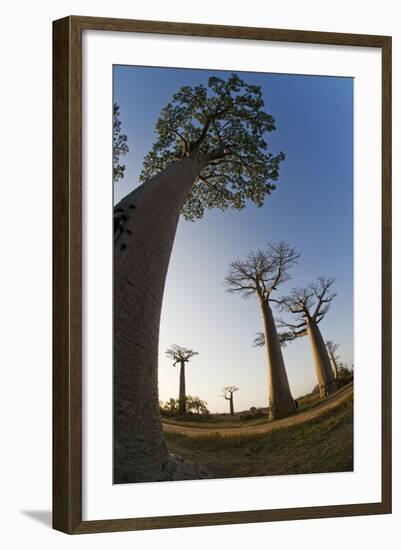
(67, 274)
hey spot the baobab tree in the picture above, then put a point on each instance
(180, 356)
(260, 274)
(310, 305)
(228, 394)
(210, 152)
(332, 348)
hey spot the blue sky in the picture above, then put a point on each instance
(312, 208)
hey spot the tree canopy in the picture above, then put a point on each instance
(225, 123)
(120, 145)
(180, 354)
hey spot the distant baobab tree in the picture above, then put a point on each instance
(260, 274)
(228, 394)
(210, 151)
(180, 356)
(332, 348)
(309, 305)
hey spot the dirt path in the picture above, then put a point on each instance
(323, 406)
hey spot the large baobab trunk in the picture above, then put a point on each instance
(281, 402)
(232, 405)
(141, 258)
(182, 408)
(334, 365)
(324, 372)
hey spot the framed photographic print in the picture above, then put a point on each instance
(222, 274)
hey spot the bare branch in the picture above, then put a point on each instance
(225, 397)
(311, 302)
(300, 333)
(280, 323)
(320, 291)
(285, 256)
(331, 346)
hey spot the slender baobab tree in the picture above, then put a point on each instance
(228, 394)
(180, 356)
(332, 348)
(210, 151)
(310, 305)
(261, 274)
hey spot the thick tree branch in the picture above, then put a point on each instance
(284, 324)
(224, 192)
(185, 142)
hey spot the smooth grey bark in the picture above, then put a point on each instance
(281, 402)
(334, 365)
(141, 259)
(182, 408)
(324, 371)
(230, 398)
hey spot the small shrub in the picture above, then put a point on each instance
(194, 406)
(345, 375)
(252, 413)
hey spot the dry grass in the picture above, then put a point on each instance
(323, 444)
